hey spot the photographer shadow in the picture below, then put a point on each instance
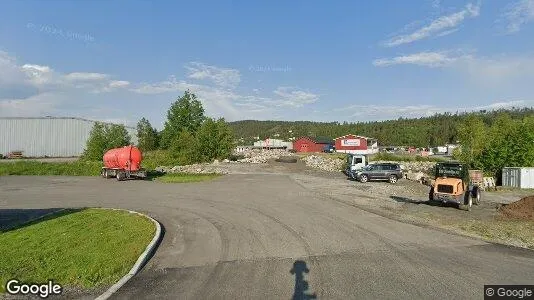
(301, 285)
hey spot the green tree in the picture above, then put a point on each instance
(472, 134)
(96, 144)
(214, 140)
(147, 135)
(104, 137)
(185, 114)
(116, 136)
(184, 148)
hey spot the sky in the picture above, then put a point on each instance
(119, 61)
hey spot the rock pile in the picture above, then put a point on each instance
(195, 168)
(323, 163)
(259, 156)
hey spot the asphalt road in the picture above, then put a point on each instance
(240, 236)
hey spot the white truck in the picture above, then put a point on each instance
(356, 162)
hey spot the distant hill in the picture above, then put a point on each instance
(431, 131)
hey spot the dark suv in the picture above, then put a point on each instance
(382, 171)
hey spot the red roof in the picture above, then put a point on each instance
(358, 136)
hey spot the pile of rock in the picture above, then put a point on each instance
(261, 156)
(323, 163)
(195, 168)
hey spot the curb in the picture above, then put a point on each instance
(140, 261)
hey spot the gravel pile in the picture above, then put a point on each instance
(195, 168)
(259, 156)
(323, 163)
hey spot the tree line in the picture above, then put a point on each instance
(436, 130)
(491, 146)
(188, 135)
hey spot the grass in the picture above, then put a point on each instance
(185, 177)
(77, 168)
(330, 155)
(515, 232)
(405, 158)
(78, 249)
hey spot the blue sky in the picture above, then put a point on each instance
(267, 60)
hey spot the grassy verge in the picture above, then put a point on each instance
(516, 232)
(77, 168)
(80, 249)
(184, 177)
(513, 232)
(405, 158)
(322, 154)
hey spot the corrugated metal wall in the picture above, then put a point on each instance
(518, 177)
(53, 137)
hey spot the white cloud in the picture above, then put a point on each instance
(384, 112)
(223, 77)
(429, 59)
(292, 97)
(518, 14)
(493, 70)
(438, 26)
(45, 79)
(37, 105)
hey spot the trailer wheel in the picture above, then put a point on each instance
(120, 176)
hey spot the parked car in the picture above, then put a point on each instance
(382, 171)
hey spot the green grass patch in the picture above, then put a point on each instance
(158, 158)
(185, 177)
(322, 154)
(405, 158)
(518, 232)
(79, 249)
(77, 168)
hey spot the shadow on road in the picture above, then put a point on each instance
(429, 203)
(11, 219)
(301, 285)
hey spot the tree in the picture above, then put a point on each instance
(214, 140)
(185, 114)
(116, 136)
(147, 135)
(473, 138)
(96, 144)
(184, 148)
(104, 137)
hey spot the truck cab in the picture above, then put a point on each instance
(356, 162)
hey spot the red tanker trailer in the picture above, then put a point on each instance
(123, 163)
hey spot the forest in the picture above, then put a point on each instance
(437, 130)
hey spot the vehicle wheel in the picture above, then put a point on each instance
(468, 202)
(120, 176)
(392, 179)
(476, 198)
(363, 178)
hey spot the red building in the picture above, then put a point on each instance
(356, 144)
(311, 144)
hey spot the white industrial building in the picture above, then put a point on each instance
(48, 136)
(273, 144)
